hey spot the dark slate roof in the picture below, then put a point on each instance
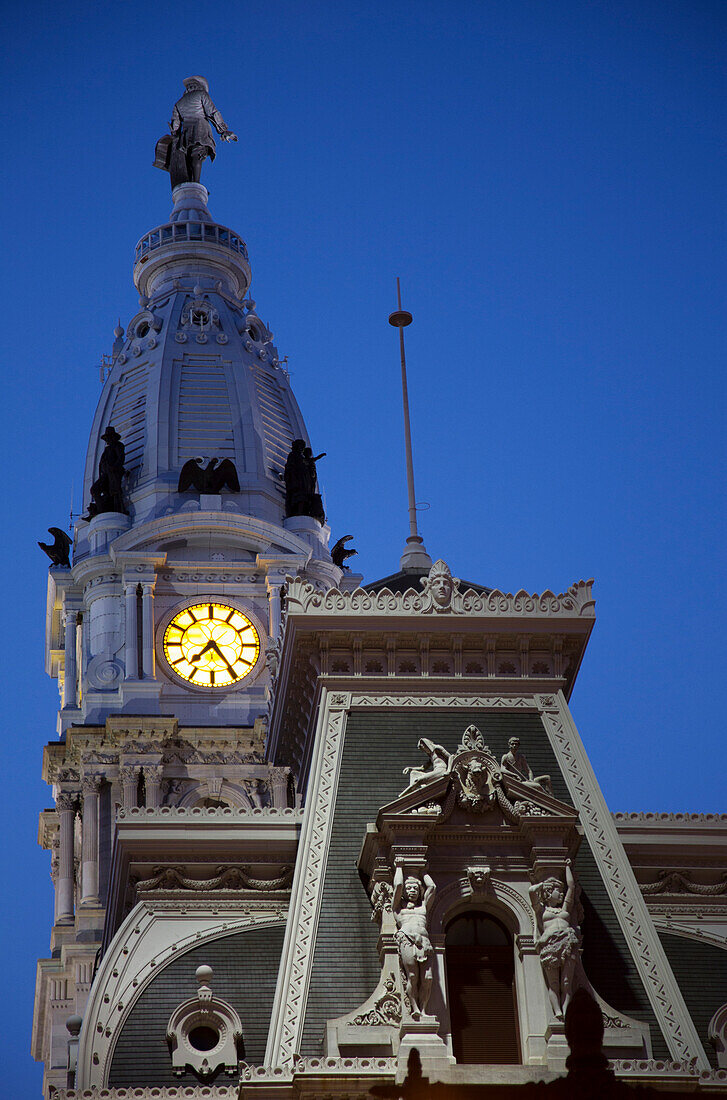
(701, 972)
(400, 582)
(245, 967)
(389, 738)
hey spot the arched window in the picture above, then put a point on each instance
(481, 990)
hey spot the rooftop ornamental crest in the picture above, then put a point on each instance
(440, 595)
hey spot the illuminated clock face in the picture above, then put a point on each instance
(211, 645)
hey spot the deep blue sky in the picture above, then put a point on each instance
(547, 180)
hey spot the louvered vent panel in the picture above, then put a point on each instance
(276, 421)
(128, 415)
(205, 414)
(480, 981)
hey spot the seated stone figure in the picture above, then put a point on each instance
(514, 764)
(439, 758)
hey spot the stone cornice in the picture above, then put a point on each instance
(95, 747)
(254, 533)
(623, 819)
(208, 814)
(304, 598)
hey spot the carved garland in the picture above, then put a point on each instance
(677, 882)
(227, 878)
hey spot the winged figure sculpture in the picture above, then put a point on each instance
(59, 550)
(212, 478)
(340, 552)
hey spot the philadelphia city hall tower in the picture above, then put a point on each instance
(311, 836)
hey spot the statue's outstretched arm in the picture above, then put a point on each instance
(570, 883)
(216, 118)
(430, 889)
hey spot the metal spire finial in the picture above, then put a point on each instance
(415, 558)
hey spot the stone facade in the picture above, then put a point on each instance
(259, 887)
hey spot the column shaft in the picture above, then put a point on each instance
(131, 650)
(130, 782)
(152, 782)
(274, 609)
(66, 806)
(89, 852)
(70, 674)
(147, 621)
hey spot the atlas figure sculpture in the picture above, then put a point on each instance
(411, 904)
(182, 152)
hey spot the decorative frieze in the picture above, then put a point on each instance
(302, 597)
(224, 878)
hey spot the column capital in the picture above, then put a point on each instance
(91, 783)
(129, 772)
(67, 800)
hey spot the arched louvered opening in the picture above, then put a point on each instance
(481, 990)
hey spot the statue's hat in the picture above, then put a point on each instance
(110, 435)
(196, 80)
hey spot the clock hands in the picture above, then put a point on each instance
(211, 644)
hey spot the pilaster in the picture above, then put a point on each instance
(91, 785)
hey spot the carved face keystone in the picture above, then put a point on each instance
(441, 589)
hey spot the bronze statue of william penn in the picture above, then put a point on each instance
(181, 153)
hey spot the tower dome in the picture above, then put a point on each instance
(185, 494)
(196, 375)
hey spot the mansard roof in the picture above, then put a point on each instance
(402, 582)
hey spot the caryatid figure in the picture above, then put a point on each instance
(559, 935)
(411, 904)
(191, 140)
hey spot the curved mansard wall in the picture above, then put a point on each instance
(196, 372)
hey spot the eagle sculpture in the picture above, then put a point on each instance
(59, 551)
(212, 478)
(339, 553)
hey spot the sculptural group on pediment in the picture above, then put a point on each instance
(439, 761)
(478, 782)
(513, 763)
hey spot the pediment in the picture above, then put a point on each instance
(471, 782)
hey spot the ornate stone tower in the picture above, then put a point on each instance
(162, 633)
(302, 827)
